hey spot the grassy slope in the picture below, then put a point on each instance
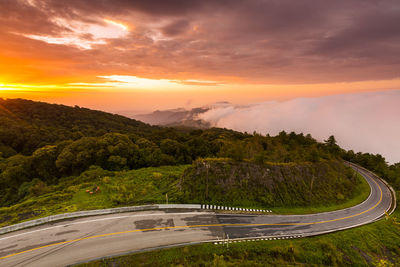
(326, 185)
(360, 194)
(376, 244)
(136, 187)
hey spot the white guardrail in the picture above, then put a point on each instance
(78, 214)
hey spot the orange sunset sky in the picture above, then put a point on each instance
(146, 55)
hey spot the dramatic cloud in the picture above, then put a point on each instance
(367, 122)
(256, 41)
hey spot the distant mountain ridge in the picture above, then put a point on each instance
(175, 117)
(179, 117)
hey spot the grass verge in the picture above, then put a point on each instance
(125, 188)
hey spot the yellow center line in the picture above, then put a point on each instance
(204, 225)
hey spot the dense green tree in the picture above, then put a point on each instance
(43, 162)
(332, 146)
(199, 147)
(331, 141)
(15, 171)
(7, 151)
(233, 150)
(176, 150)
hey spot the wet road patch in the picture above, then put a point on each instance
(67, 232)
(150, 224)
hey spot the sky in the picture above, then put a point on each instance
(138, 56)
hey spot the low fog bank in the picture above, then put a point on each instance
(366, 122)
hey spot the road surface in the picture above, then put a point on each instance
(82, 239)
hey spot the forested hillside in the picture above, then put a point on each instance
(27, 125)
(42, 143)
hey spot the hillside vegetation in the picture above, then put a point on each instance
(51, 154)
(28, 125)
(268, 185)
(117, 188)
(42, 143)
(149, 186)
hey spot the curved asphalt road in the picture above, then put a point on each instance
(76, 240)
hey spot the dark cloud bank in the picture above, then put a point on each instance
(271, 41)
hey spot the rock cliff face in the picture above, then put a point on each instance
(246, 183)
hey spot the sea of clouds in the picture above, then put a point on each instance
(366, 122)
